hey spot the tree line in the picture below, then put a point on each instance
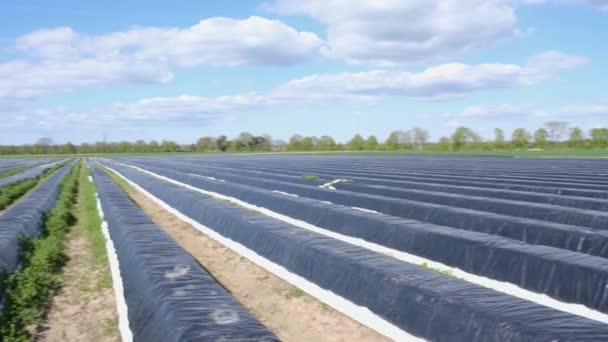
(554, 134)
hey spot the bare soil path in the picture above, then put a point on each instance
(83, 309)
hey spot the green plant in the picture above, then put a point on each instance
(11, 192)
(41, 258)
(310, 177)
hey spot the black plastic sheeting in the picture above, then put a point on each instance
(570, 237)
(374, 186)
(422, 302)
(169, 295)
(565, 275)
(27, 174)
(536, 211)
(24, 218)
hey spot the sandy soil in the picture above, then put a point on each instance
(290, 313)
(84, 308)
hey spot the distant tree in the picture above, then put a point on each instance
(399, 139)
(295, 143)
(499, 138)
(541, 138)
(464, 136)
(444, 144)
(153, 146)
(420, 137)
(168, 146)
(599, 137)
(306, 144)
(556, 129)
(371, 144)
(205, 144)
(326, 143)
(356, 143)
(576, 138)
(520, 138)
(221, 143)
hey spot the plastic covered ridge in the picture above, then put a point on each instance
(422, 302)
(24, 218)
(169, 296)
(565, 275)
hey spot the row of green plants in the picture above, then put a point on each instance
(11, 172)
(11, 192)
(27, 292)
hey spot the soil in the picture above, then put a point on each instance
(289, 312)
(83, 309)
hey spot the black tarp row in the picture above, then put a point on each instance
(169, 296)
(536, 211)
(422, 302)
(350, 171)
(574, 238)
(24, 218)
(363, 186)
(27, 174)
(565, 275)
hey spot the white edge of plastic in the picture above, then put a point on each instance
(117, 284)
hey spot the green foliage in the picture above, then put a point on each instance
(41, 258)
(463, 137)
(12, 172)
(521, 138)
(577, 137)
(11, 192)
(499, 138)
(356, 143)
(91, 219)
(541, 138)
(310, 177)
(599, 137)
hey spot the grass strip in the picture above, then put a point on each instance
(11, 192)
(11, 172)
(91, 219)
(27, 292)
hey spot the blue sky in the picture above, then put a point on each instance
(78, 71)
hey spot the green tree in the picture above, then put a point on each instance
(556, 130)
(205, 144)
(419, 136)
(520, 138)
(168, 146)
(326, 143)
(599, 137)
(576, 138)
(221, 143)
(356, 143)
(307, 144)
(464, 136)
(499, 138)
(371, 144)
(444, 144)
(541, 138)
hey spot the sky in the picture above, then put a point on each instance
(85, 71)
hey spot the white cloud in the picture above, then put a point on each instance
(439, 82)
(61, 60)
(442, 81)
(601, 5)
(397, 32)
(508, 111)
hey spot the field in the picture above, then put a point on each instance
(301, 247)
